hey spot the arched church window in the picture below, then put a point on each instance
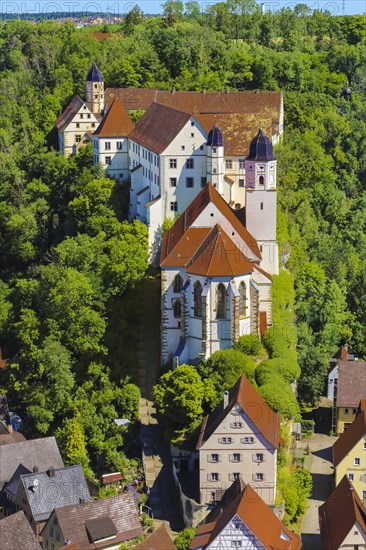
(221, 302)
(197, 299)
(178, 284)
(242, 300)
(177, 309)
(261, 180)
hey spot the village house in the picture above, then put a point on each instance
(102, 524)
(17, 534)
(342, 355)
(349, 389)
(243, 520)
(349, 453)
(39, 493)
(159, 539)
(239, 439)
(342, 519)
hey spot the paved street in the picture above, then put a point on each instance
(321, 469)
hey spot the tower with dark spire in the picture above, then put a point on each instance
(215, 158)
(95, 89)
(261, 199)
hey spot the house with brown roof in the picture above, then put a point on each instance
(342, 519)
(110, 143)
(243, 520)
(159, 539)
(349, 453)
(239, 440)
(349, 390)
(102, 524)
(214, 288)
(17, 534)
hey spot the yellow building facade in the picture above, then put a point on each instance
(345, 417)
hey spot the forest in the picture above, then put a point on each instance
(68, 253)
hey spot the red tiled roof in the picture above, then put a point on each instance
(158, 127)
(351, 383)
(158, 540)
(243, 393)
(199, 102)
(338, 515)
(69, 113)
(205, 196)
(218, 256)
(348, 439)
(257, 516)
(109, 478)
(116, 122)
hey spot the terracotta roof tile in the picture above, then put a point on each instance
(257, 516)
(158, 540)
(16, 533)
(199, 102)
(348, 439)
(186, 247)
(158, 127)
(219, 256)
(69, 113)
(338, 515)
(243, 393)
(187, 218)
(116, 122)
(351, 383)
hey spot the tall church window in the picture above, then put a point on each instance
(242, 300)
(261, 180)
(197, 299)
(177, 309)
(221, 302)
(178, 284)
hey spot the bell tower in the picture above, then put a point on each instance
(95, 89)
(261, 199)
(215, 158)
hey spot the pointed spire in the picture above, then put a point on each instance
(94, 75)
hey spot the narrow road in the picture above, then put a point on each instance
(321, 469)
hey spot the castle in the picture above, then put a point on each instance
(203, 162)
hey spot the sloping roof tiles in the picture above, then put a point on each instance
(338, 515)
(46, 491)
(16, 534)
(158, 540)
(257, 516)
(205, 196)
(351, 383)
(116, 122)
(158, 127)
(42, 453)
(243, 393)
(348, 439)
(69, 113)
(121, 510)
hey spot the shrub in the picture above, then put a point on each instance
(285, 366)
(249, 344)
(280, 397)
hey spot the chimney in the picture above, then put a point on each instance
(82, 500)
(226, 399)
(51, 472)
(35, 469)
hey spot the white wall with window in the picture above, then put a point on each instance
(112, 154)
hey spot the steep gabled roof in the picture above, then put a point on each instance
(16, 533)
(42, 453)
(348, 439)
(158, 127)
(351, 383)
(257, 516)
(338, 515)
(187, 218)
(116, 122)
(244, 394)
(55, 488)
(11, 488)
(121, 510)
(219, 256)
(69, 113)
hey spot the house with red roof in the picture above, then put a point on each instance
(214, 288)
(243, 520)
(239, 439)
(342, 519)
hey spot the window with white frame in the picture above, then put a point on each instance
(229, 164)
(236, 457)
(172, 163)
(174, 206)
(107, 146)
(214, 476)
(357, 461)
(214, 457)
(108, 160)
(119, 145)
(190, 163)
(173, 182)
(351, 477)
(241, 164)
(241, 182)
(189, 182)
